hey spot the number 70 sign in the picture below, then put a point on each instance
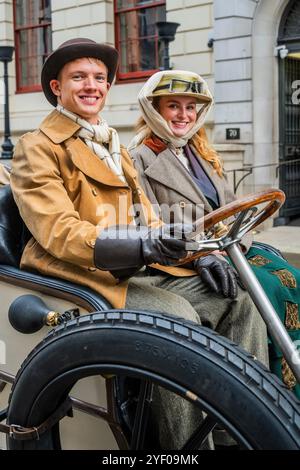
(233, 133)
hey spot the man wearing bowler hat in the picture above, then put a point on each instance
(91, 223)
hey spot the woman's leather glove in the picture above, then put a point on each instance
(217, 274)
(123, 250)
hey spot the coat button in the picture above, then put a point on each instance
(94, 192)
(91, 243)
(92, 269)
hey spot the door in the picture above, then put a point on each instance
(289, 163)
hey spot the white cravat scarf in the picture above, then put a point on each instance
(95, 136)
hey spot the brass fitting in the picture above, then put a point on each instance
(220, 229)
(52, 318)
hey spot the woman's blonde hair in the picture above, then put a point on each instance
(203, 147)
(199, 141)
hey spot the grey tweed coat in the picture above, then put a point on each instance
(167, 183)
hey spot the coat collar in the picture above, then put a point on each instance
(61, 129)
(58, 127)
(166, 169)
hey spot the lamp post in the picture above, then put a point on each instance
(166, 34)
(6, 53)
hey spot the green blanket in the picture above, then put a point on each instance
(281, 282)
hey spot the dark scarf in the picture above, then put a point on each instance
(201, 178)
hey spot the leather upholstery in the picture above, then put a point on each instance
(13, 232)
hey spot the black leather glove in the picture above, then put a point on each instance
(217, 274)
(123, 250)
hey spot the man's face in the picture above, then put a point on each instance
(81, 87)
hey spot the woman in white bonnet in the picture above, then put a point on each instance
(179, 168)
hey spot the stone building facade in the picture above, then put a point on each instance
(233, 44)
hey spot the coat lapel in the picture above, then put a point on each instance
(90, 164)
(60, 129)
(169, 171)
(130, 172)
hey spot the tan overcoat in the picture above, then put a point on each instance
(166, 181)
(63, 191)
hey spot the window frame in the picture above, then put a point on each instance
(17, 30)
(140, 75)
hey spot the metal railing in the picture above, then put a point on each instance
(249, 170)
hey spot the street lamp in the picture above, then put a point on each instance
(166, 34)
(6, 53)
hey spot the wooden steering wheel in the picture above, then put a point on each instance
(243, 215)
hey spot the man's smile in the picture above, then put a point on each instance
(87, 99)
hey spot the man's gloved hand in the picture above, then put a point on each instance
(164, 245)
(123, 250)
(217, 274)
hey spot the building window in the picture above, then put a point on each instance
(137, 38)
(33, 41)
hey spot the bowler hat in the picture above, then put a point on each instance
(72, 50)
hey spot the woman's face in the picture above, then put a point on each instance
(179, 112)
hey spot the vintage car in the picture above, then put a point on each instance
(77, 374)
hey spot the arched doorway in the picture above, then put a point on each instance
(289, 111)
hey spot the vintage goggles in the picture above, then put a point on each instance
(182, 86)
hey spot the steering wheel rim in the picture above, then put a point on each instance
(274, 197)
